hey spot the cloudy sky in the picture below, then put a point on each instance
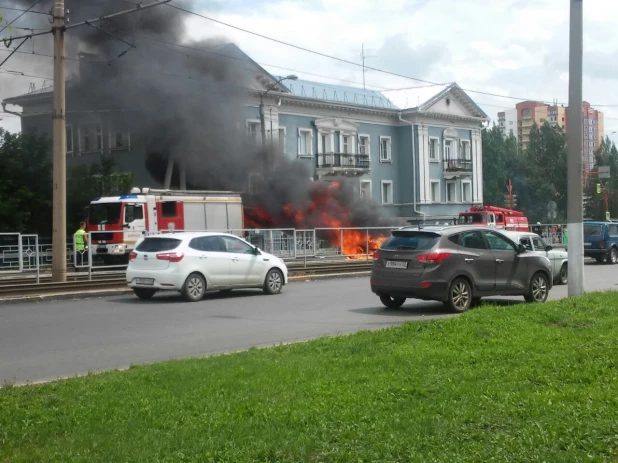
(516, 48)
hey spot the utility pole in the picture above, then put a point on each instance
(575, 209)
(59, 195)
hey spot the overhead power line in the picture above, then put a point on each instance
(342, 60)
(24, 11)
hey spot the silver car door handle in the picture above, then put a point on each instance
(499, 261)
(235, 259)
(469, 260)
(203, 257)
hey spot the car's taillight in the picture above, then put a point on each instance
(433, 257)
(376, 255)
(133, 255)
(601, 244)
(171, 256)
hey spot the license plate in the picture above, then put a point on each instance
(587, 244)
(144, 281)
(396, 264)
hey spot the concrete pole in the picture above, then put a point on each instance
(575, 209)
(59, 196)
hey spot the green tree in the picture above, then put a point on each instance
(605, 155)
(25, 184)
(545, 161)
(495, 175)
(84, 183)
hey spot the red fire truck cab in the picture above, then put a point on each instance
(492, 216)
(116, 223)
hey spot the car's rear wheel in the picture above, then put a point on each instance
(144, 293)
(538, 289)
(563, 277)
(392, 302)
(273, 284)
(194, 288)
(612, 257)
(459, 296)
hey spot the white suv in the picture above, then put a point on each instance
(194, 263)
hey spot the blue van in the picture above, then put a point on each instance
(601, 241)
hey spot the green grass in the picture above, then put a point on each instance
(507, 384)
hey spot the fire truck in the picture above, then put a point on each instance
(116, 223)
(492, 216)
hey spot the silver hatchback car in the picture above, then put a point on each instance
(457, 265)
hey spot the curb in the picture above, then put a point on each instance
(121, 291)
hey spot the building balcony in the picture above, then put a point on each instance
(343, 163)
(457, 167)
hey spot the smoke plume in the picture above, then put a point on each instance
(187, 103)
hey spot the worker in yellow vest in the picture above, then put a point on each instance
(81, 241)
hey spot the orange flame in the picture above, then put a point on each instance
(324, 210)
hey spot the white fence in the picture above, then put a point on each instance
(22, 253)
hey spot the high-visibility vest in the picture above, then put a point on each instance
(79, 240)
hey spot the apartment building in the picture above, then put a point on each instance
(507, 122)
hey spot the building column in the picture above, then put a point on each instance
(477, 160)
(423, 164)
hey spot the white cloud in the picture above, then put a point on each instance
(510, 47)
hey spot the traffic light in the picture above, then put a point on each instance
(598, 188)
(514, 201)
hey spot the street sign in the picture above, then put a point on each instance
(604, 172)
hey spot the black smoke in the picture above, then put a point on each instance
(185, 103)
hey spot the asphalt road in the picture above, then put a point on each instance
(42, 341)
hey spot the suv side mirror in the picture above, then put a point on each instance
(257, 251)
(548, 248)
(521, 249)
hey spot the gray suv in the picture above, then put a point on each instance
(456, 265)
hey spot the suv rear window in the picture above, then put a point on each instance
(593, 230)
(158, 244)
(412, 241)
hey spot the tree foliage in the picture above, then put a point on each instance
(86, 182)
(605, 155)
(26, 184)
(538, 173)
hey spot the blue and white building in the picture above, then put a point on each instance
(416, 151)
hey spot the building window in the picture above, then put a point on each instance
(91, 138)
(282, 143)
(119, 140)
(466, 192)
(364, 146)
(70, 140)
(465, 150)
(254, 131)
(435, 191)
(387, 192)
(325, 144)
(449, 150)
(365, 189)
(525, 112)
(345, 144)
(305, 142)
(434, 149)
(385, 149)
(451, 192)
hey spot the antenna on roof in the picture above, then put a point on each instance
(363, 56)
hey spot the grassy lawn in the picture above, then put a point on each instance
(507, 384)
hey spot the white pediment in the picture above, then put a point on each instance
(450, 132)
(454, 102)
(333, 124)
